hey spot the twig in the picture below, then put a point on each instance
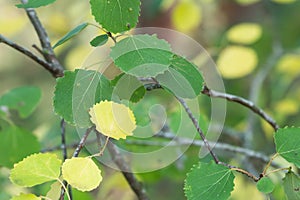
(63, 139)
(135, 185)
(246, 173)
(243, 102)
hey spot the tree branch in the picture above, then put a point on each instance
(242, 101)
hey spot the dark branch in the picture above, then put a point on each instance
(243, 102)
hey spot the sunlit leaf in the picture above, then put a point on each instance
(112, 119)
(244, 33)
(289, 65)
(265, 185)
(36, 169)
(35, 3)
(20, 143)
(55, 190)
(237, 61)
(291, 184)
(23, 99)
(182, 78)
(71, 34)
(208, 181)
(26, 197)
(114, 15)
(99, 40)
(81, 173)
(142, 55)
(186, 16)
(287, 144)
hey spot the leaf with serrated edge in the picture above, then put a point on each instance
(36, 169)
(142, 55)
(70, 34)
(76, 92)
(182, 78)
(81, 173)
(287, 144)
(208, 181)
(265, 185)
(35, 3)
(291, 185)
(26, 197)
(114, 15)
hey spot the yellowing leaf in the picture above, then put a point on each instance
(112, 119)
(289, 64)
(284, 1)
(287, 107)
(244, 33)
(237, 61)
(26, 197)
(81, 173)
(55, 190)
(246, 2)
(186, 16)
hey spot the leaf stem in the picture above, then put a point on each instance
(64, 189)
(269, 164)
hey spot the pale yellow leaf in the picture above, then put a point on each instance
(244, 33)
(55, 190)
(26, 197)
(246, 2)
(112, 119)
(289, 64)
(81, 173)
(237, 61)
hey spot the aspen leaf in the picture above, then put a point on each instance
(244, 33)
(26, 197)
(265, 185)
(237, 61)
(81, 173)
(112, 119)
(289, 65)
(291, 185)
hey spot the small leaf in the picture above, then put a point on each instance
(23, 99)
(76, 92)
(291, 185)
(114, 15)
(36, 169)
(208, 181)
(112, 119)
(265, 185)
(182, 78)
(81, 173)
(71, 34)
(99, 40)
(287, 144)
(55, 190)
(20, 143)
(244, 33)
(26, 197)
(35, 3)
(142, 55)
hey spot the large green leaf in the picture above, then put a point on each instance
(15, 144)
(287, 144)
(71, 34)
(142, 55)
(116, 15)
(182, 78)
(35, 3)
(77, 92)
(208, 181)
(36, 169)
(291, 184)
(23, 99)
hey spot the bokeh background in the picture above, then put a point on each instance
(255, 44)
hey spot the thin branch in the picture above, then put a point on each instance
(63, 139)
(243, 102)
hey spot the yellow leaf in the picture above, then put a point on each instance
(237, 61)
(81, 173)
(244, 33)
(246, 2)
(289, 64)
(186, 16)
(287, 107)
(112, 119)
(284, 1)
(26, 197)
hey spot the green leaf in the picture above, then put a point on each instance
(35, 3)
(20, 143)
(77, 92)
(71, 34)
(81, 173)
(99, 40)
(287, 144)
(291, 185)
(265, 185)
(23, 99)
(114, 15)
(36, 169)
(182, 78)
(135, 90)
(142, 55)
(208, 181)
(26, 197)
